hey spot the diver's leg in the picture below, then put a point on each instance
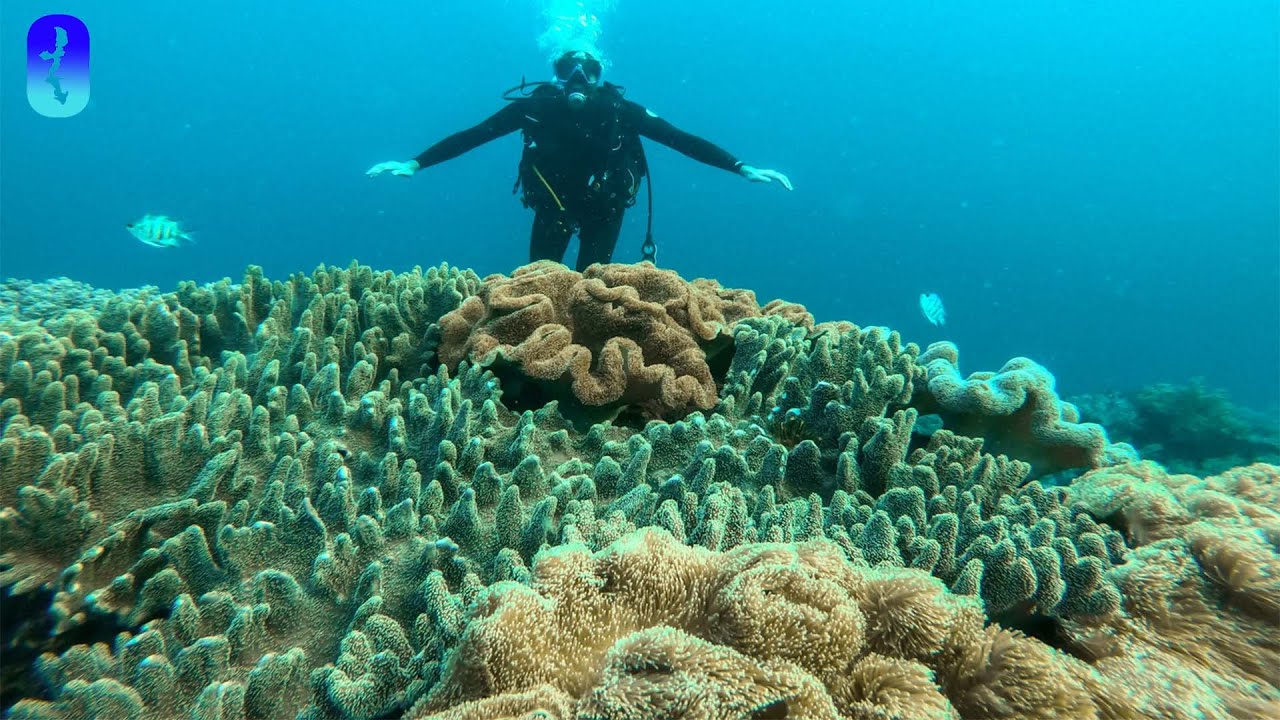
(550, 236)
(598, 237)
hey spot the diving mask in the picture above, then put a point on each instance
(577, 72)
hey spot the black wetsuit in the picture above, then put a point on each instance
(581, 167)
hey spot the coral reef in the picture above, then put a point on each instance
(26, 300)
(1187, 427)
(287, 498)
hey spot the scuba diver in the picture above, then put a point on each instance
(582, 161)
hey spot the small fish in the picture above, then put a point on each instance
(159, 231)
(931, 307)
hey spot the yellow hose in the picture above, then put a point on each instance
(547, 185)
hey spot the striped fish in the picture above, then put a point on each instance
(159, 231)
(932, 309)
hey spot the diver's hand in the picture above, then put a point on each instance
(759, 175)
(395, 167)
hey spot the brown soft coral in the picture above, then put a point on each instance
(543, 702)
(651, 628)
(787, 612)
(666, 673)
(912, 615)
(1008, 675)
(880, 688)
(611, 336)
(1201, 621)
(1230, 524)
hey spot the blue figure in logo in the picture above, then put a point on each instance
(56, 57)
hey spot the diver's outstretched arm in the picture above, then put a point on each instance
(506, 120)
(648, 124)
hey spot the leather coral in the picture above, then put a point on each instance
(612, 336)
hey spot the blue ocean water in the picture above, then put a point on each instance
(1093, 185)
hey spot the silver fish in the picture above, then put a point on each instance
(159, 231)
(932, 309)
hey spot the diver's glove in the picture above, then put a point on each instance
(395, 167)
(755, 174)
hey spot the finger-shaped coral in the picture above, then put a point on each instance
(141, 484)
(764, 349)
(960, 514)
(844, 377)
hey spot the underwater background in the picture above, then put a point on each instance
(1090, 185)
(328, 471)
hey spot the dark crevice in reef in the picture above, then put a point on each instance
(1044, 628)
(25, 627)
(1119, 521)
(919, 441)
(520, 393)
(395, 713)
(720, 359)
(23, 621)
(776, 710)
(631, 418)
